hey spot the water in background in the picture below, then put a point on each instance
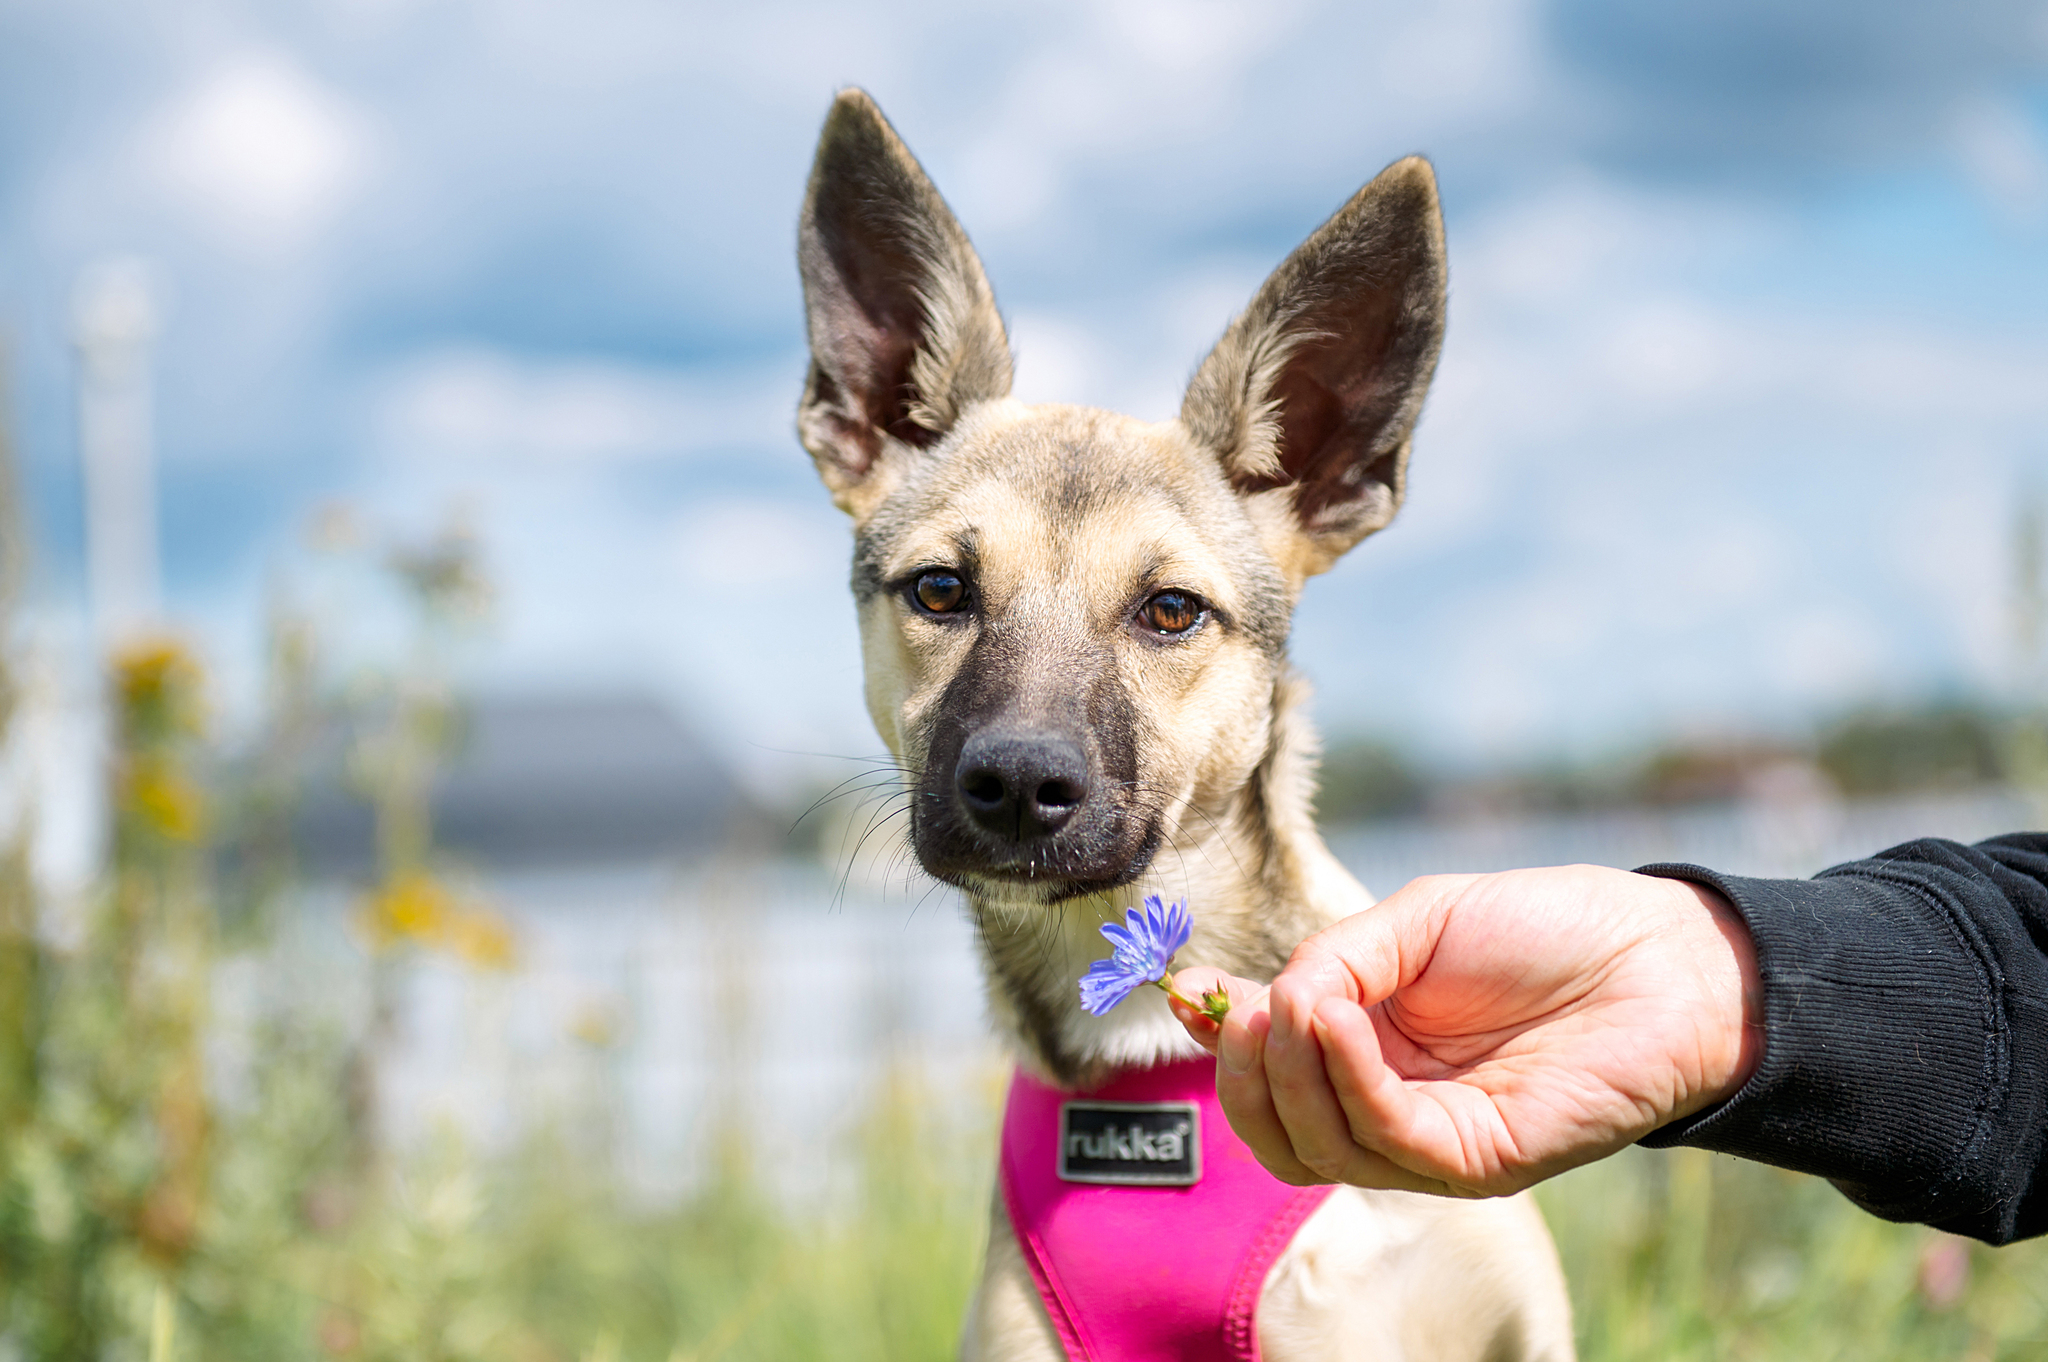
(1766, 838)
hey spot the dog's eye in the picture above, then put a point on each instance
(939, 591)
(1171, 612)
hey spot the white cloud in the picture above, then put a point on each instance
(731, 603)
(1664, 351)
(1197, 37)
(1101, 82)
(1467, 61)
(762, 637)
(1135, 358)
(751, 551)
(1950, 537)
(2002, 150)
(260, 151)
(484, 406)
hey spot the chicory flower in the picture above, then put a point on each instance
(1142, 952)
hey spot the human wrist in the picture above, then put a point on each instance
(1732, 1011)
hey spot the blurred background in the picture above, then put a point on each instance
(442, 914)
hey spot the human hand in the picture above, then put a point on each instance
(1474, 1034)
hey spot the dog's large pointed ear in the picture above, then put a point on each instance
(904, 330)
(1311, 396)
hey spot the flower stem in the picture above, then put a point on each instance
(1214, 1006)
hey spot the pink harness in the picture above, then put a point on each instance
(1147, 1243)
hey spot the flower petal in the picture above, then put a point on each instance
(1176, 926)
(1105, 985)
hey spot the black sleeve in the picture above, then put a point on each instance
(1906, 1033)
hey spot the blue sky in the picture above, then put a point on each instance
(1747, 365)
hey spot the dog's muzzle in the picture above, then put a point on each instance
(1006, 807)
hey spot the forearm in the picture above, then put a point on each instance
(1906, 1047)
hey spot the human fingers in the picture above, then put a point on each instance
(1391, 1117)
(1324, 968)
(1300, 1131)
(1248, 1102)
(1298, 1084)
(1195, 984)
(1312, 1145)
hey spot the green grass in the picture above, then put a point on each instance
(1693, 1255)
(1670, 1255)
(306, 1247)
(444, 1257)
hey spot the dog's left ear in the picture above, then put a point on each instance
(1311, 396)
(905, 335)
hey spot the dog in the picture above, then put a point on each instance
(1074, 628)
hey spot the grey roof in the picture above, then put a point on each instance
(547, 780)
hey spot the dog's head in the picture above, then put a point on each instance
(1073, 621)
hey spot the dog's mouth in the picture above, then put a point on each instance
(1021, 813)
(1046, 873)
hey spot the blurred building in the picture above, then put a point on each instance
(539, 782)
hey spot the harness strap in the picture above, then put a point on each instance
(1161, 1254)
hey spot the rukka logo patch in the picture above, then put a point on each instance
(1141, 1144)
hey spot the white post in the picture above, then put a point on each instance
(114, 320)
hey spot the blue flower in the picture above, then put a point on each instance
(1144, 947)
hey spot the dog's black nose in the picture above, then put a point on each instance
(1021, 786)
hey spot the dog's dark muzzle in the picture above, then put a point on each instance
(1030, 776)
(1016, 805)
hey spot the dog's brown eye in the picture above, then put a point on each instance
(940, 592)
(1171, 612)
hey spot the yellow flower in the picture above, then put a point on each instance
(157, 685)
(482, 938)
(165, 800)
(411, 907)
(415, 907)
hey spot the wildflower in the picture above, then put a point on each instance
(412, 906)
(482, 938)
(164, 799)
(157, 691)
(1143, 949)
(415, 906)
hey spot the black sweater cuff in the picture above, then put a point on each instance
(1883, 1043)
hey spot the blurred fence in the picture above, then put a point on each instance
(654, 1014)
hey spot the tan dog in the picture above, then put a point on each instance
(1075, 629)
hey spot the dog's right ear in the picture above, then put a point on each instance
(904, 330)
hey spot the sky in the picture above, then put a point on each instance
(1746, 377)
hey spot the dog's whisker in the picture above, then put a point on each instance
(877, 819)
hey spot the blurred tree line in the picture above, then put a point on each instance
(1942, 745)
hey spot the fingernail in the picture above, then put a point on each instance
(1281, 1029)
(1235, 1050)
